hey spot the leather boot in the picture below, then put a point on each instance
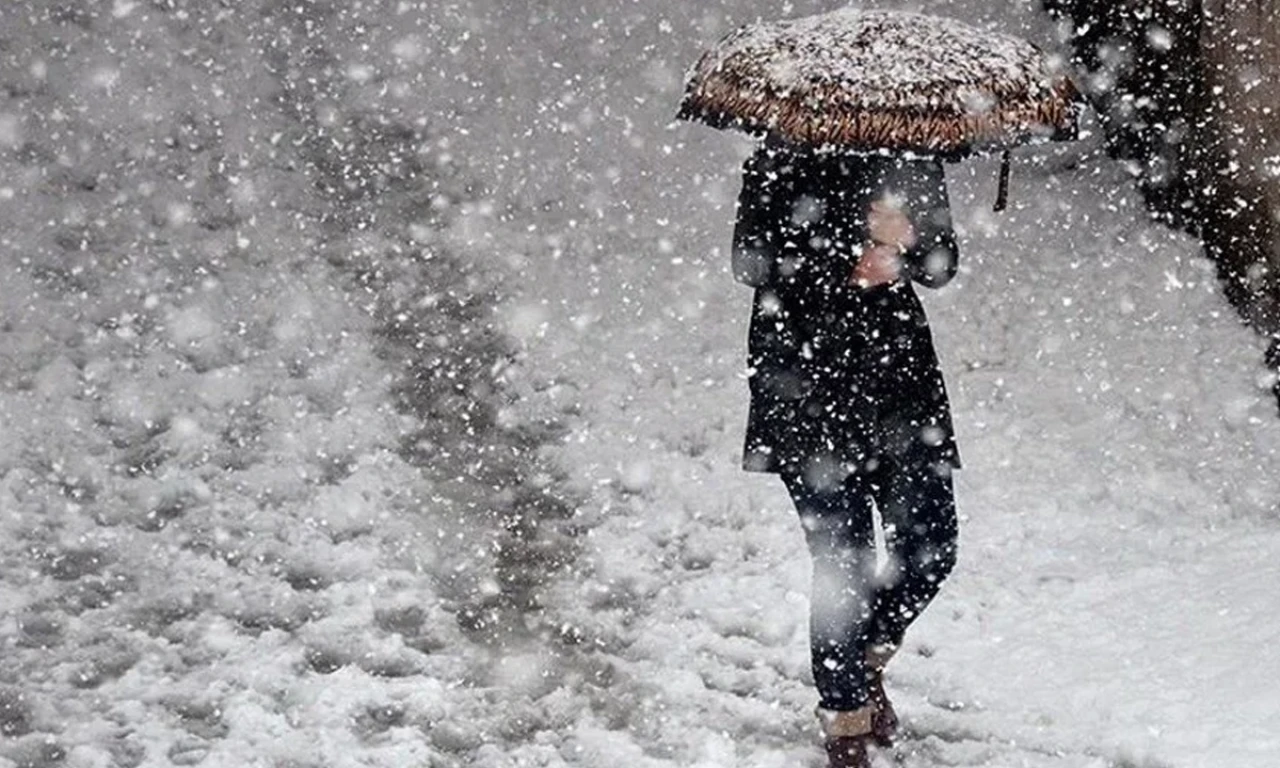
(884, 722)
(847, 752)
(846, 736)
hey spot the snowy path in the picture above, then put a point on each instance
(1115, 599)
(216, 549)
(1116, 585)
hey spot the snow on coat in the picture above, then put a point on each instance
(892, 79)
(841, 376)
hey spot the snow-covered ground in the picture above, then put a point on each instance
(1115, 598)
(258, 502)
(231, 535)
(1115, 602)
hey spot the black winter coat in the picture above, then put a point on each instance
(842, 378)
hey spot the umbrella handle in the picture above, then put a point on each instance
(1002, 191)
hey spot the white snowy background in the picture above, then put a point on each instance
(372, 386)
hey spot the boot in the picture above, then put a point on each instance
(847, 735)
(847, 752)
(884, 721)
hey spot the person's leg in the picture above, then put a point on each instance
(1272, 361)
(917, 508)
(838, 528)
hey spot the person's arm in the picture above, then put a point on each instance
(756, 232)
(933, 258)
(909, 231)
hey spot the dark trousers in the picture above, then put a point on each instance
(852, 608)
(1272, 361)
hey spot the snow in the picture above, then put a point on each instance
(898, 60)
(229, 535)
(1114, 592)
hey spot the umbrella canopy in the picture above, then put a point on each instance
(882, 80)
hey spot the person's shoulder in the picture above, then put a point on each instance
(772, 156)
(778, 168)
(916, 175)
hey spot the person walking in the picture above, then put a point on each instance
(843, 208)
(848, 404)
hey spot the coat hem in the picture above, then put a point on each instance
(771, 466)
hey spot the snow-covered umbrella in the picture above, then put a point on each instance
(872, 80)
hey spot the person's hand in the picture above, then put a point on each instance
(880, 264)
(887, 224)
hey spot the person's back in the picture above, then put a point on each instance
(799, 202)
(848, 404)
(818, 331)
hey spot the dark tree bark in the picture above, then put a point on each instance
(1186, 92)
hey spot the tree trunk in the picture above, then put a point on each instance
(1240, 133)
(1188, 90)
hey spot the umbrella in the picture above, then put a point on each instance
(873, 80)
